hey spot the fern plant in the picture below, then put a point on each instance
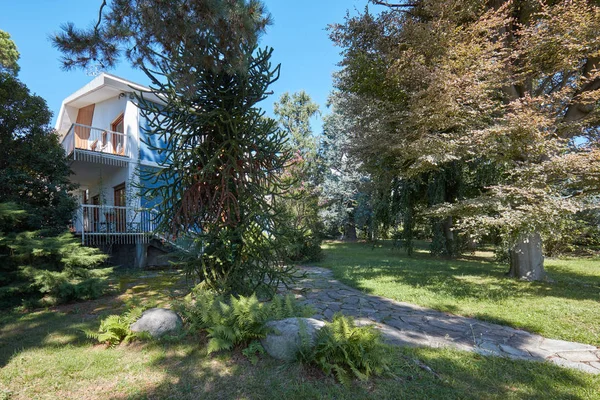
(237, 320)
(114, 329)
(252, 350)
(346, 350)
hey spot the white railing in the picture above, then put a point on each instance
(100, 220)
(83, 137)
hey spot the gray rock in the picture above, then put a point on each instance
(284, 343)
(157, 322)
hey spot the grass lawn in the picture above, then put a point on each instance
(45, 355)
(475, 286)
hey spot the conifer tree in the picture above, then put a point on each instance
(224, 160)
(38, 256)
(301, 200)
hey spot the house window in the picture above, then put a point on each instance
(118, 126)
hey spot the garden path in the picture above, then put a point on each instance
(411, 325)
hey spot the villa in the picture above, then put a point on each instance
(101, 130)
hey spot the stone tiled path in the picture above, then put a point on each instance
(408, 324)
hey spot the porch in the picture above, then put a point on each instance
(97, 145)
(105, 224)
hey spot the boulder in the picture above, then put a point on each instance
(285, 340)
(157, 322)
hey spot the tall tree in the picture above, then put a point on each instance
(222, 167)
(374, 105)
(34, 169)
(507, 85)
(39, 257)
(301, 200)
(343, 180)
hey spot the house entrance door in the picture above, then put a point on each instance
(120, 213)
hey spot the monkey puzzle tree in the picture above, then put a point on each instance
(223, 168)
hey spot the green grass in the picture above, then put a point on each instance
(475, 286)
(45, 355)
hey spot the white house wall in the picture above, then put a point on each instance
(107, 111)
(67, 117)
(105, 185)
(132, 124)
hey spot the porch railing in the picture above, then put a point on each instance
(97, 140)
(129, 223)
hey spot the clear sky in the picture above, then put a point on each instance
(298, 36)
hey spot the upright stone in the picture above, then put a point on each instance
(527, 260)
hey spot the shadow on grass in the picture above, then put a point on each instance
(191, 375)
(20, 332)
(66, 324)
(472, 278)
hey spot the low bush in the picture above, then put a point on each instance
(304, 246)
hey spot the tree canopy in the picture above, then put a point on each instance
(35, 172)
(9, 55)
(509, 90)
(143, 31)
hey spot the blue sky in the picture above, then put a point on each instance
(298, 36)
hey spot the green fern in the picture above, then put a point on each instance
(235, 321)
(304, 354)
(252, 350)
(287, 307)
(114, 329)
(345, 350)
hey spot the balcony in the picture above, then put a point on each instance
(100, 224)
(86, 143)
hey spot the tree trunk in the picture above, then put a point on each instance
(449, 234)
(527, 260)
(350, 229)
(350, 232)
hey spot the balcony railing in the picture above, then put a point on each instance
(94, 141)
(122, 224)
